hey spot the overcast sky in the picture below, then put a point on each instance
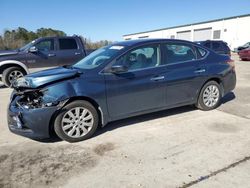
(110, 19)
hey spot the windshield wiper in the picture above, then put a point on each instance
(70, 67)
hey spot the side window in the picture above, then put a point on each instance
(45, 45)
(141, 58)
(174, 53)
(217, 46)
(207, 44)
(67, 44)
(224, 46)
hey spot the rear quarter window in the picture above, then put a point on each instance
(201, 52)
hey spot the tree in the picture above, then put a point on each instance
(16, 38)
(94, 45)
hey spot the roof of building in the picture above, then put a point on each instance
(215, 20)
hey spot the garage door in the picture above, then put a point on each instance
(202, 34)
(184, 35)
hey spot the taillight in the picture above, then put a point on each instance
(231, 63)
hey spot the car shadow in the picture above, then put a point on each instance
(228, 97)
(141, 118)
(128, 121)
(53, 139)
(2, 86)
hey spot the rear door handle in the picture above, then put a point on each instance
(200, 71)
(51, 55)
(77, 53)
(157, 78)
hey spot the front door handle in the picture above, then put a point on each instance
(51, 55)
(77, 53)
(157, 78)
(200, 71)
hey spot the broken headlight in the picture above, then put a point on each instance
(21, 82)
(36, 99)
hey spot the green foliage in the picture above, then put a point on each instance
(13, 39)
(95, 45)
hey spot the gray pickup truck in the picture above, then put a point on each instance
(42, 53)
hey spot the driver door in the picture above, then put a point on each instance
(139, 89)
(45, 56)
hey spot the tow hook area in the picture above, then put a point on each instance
(18, 121)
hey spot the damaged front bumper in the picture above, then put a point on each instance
(31, 117)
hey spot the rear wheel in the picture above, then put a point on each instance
(77, 121)
(210, 96)
(11, 74)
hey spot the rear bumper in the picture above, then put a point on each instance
(229, 82)
(31, 123)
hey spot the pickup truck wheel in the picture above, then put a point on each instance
(76, 122)
(11, 74)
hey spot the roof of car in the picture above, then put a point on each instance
(52, 37)
(142, 41)
(202, 41)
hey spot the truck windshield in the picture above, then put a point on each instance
(98, 57)
(27, 46)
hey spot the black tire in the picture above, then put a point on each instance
(58, 125)
(7, 72)
(201, 104)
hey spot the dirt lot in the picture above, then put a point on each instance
(182, 147)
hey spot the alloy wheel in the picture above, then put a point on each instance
(211, 95)
(14, 75)
(77, 122)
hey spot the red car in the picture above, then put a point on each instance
(245, 54)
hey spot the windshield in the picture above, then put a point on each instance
(98, 57)
(27, 46)
(247, 44)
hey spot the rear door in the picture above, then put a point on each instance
(69, 51)
(139, 89)
(184, 72)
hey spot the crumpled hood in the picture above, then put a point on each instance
(45, 77)
(8, 52)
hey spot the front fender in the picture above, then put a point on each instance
(75, 88)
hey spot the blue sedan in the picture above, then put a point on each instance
(118, 81)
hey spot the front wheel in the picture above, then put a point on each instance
(76, 122)
(210, 96)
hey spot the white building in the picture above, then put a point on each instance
(233, 30)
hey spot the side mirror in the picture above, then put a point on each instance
(116, 69)
(33, 49)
